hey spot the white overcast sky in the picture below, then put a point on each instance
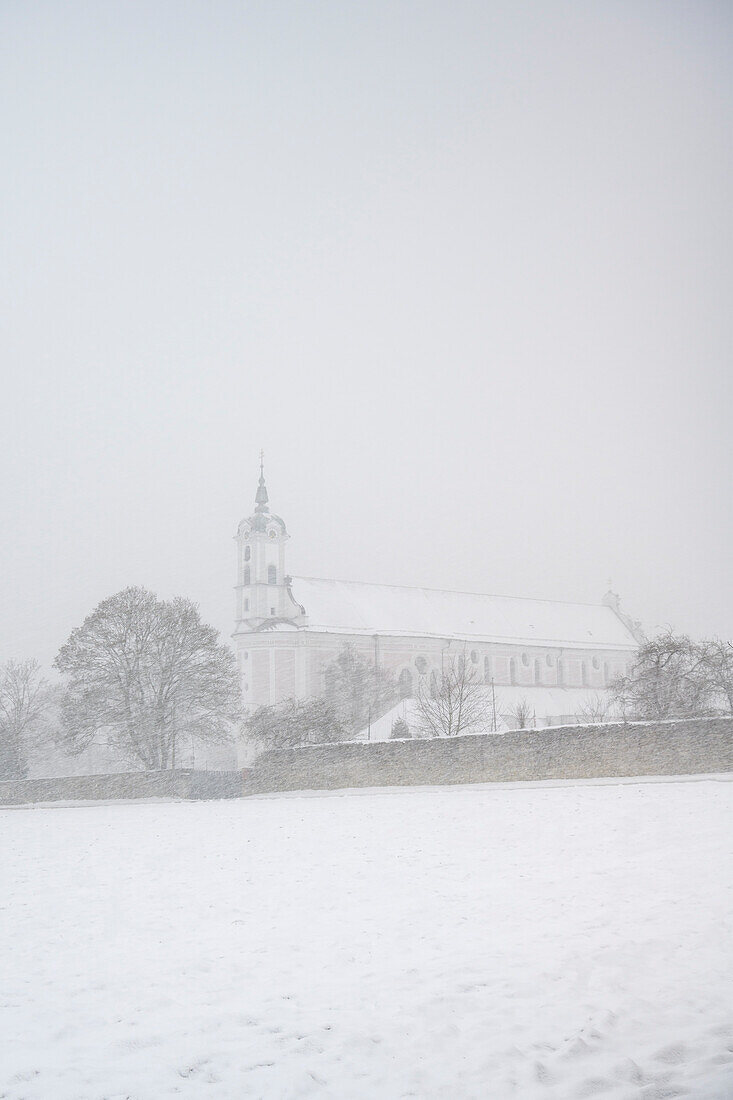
(463, 270)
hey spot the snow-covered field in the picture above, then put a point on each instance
(540, 942)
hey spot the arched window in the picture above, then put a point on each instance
(271, 574)
(246, 574)
(421, 664)
(537, 673)
(487, 670)
(405, 683)
(512, 671)
(247, 553)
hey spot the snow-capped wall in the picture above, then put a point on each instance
(693, 747)
(181, 783)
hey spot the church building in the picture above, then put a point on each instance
(556, 657)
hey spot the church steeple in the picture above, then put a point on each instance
(263, 592)
(261, 497)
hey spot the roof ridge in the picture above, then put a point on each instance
(449, 591)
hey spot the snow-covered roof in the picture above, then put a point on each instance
(353, 607)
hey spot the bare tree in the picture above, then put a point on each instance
(717, 664)
(669, 679)
(144, 674)
(293, 723)
(458, 703)
(519, 715)
(356, 692)
(600, 707)
(359, 691)
(24, 705)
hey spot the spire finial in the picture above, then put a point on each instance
(261, 498)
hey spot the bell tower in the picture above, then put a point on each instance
(262, 589)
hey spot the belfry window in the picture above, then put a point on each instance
(247, 553)
(271, 574)
(246, 574)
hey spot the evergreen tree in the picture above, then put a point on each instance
(400, 730)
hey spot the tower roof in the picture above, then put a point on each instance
(261, 497)
(262, 518)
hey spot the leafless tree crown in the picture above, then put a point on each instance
(456, 704)
(145, 673)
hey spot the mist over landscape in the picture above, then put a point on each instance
(366, 623)
(461, 270)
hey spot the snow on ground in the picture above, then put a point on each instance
(540, 942)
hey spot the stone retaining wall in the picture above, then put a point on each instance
(183, 783)
(562, 752)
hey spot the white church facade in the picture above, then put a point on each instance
(557, 657)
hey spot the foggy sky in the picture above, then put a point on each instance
(463, 270)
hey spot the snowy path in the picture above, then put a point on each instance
(552, 943)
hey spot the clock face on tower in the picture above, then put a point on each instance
(272, 534)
